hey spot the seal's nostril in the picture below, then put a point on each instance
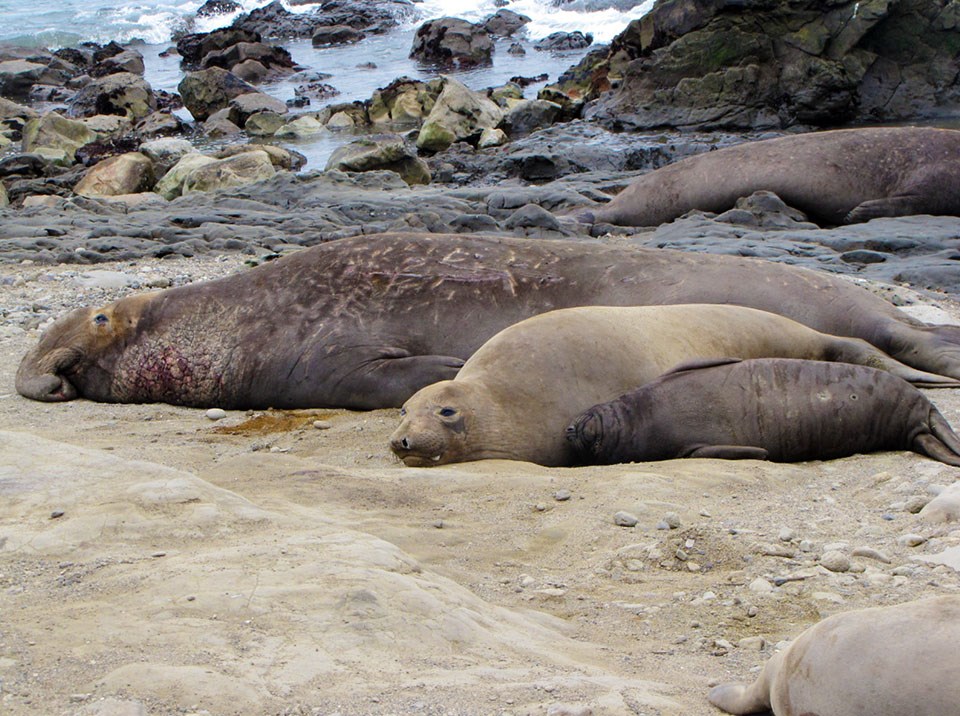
(404, 443)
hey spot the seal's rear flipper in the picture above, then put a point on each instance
(903, 205)
(752, 698)
(731, 452)
(941, 443)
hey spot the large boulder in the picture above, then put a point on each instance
(206, 91)
(274, 58)
(528, 115)
(123, 174)
(243, 106)
(122, 93)
(381, 151)
(18, 76)
(335, 35)
(458, 114)
(55, 137)
(171, 185)
(504, 23)
(13, 117)
(452, 42)
(193, 48)
(403, 101)
(706, 64)
(4, 199)
(239, 170)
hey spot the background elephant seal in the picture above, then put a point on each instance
(515, 396)
(367, 321)
(767, 409)
(835, 177)
(884, 661)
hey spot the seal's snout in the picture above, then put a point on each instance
(414, 450)
(47, 387)
(584, 435)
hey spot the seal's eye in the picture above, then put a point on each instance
(447, 412)
(101, 319)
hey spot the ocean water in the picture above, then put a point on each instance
(149, 24)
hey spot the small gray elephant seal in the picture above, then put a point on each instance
(884, 661)
(513, 398)
(835, 177)
(764, 409)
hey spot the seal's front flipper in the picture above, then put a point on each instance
(941, 443)
(731, 452)
(388, 380)
(903, 205)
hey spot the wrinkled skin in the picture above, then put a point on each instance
(835, 177)
(367, 321)
(885, 661)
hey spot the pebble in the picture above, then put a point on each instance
(806, 545)
(562, 495)
(625, 519)
(322, 424)
(672, 520)
(871, 553)
(569, 710)
(786, 534)
(55, 514)
(916, 503)
(835, 561)
(911, 540)
(755, 643)
(216, 413)
(760, 586)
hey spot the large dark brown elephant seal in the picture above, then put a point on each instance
(835, 177)
(515, 396)
(367, 321)
(768, 409)
(884, 661)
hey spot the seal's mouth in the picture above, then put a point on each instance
(411, 460)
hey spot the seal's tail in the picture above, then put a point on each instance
(941, 443)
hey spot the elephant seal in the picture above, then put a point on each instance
(515, 396)
(882, 661)
(784, 410)
(835, 177)
(365, 322)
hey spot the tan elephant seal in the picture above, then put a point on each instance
(779, 409)
(835, 177)
(885, 661)
(516, 395)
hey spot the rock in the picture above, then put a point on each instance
(778, 64)
(945, 507)
(529, 115)
(272, 57)
(206, 91)
(492, 138)
(911, 540)
(127, 60)
(452, 42)
(562, 41)
(194, 47)
(532, 216)
(216, 414)
(159, 124)
(218, 124)
(17, 77)
(4, 199)
(871, 553)
(503, 23)
(382, 151)
(55, 137)
(301, 126)
(243, 106)
(280, 157)
(835, 561)
(123, 174)
(625, 519)
(404, 101)
(238, 170)
(335, 35)
(250, 71)
(123, 93)
(13, 116)
(263, 124)
(218, 7)
(171, 185)
(459, 114)
(166, 152)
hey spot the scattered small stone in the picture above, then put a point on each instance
(786, 534)
(914, 504)
(438, 524)
(760, 586)
(159, 554)
(562, 495)
(754, 643)
(625, 519)
(871, 553)
(672, 519)
(806, 545)
(527, 581)
(911, 540)
(722, 644)
(705, 513)
(322, 424)
(55, 514)
(191, 598)
(835, 561)
(216, 414)
(569, 710)
(752, 611)
(540, 507)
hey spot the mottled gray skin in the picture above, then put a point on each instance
(835, 177)
(778, 409)
(367, 321)
(884, 661)
(513, 397)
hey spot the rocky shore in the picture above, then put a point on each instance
(154, 560)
